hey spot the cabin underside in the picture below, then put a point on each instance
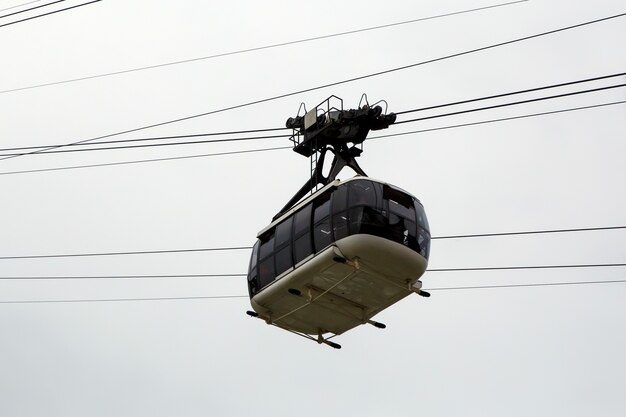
(341, 287)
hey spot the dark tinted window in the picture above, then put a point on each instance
(340, 199)
(282, 245)
(266, 271)
(283, 233)
(254, 257)
(423, 242)
(397, 196)
(359, 206)
(422, 221)
(302, 247)
(322, 234)
(401, 210)
(322, 209)
(253, 278)
(302, 220)
(402, 226)
(397, 230)
(283, 259)
(361, 193)
(339, 203)
(267, 245)
(340, 225)
(355, 219)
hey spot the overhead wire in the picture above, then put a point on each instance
(259, 48)
(141, 161)
(150, 145)
(20, 5)
(151, 138)
(434, 270)
(159, 138)
(349, 80)
(290, 147)
(197, 142)
(209, 297)
(502, 119)
(31, 8)
(49, 13)
(524, 267)
(178, 276)
(541, 284)
(238, 248)
(250, 138)
(498, 106)
(104, 300)
(93, 277)
(516, 92)
(143, 252)
(529, 232)
(230, 275)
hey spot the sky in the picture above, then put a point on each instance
(516, 351)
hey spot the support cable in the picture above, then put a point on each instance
(349, 80)
(210, 297)
(511, 93)
(197, 142)
(105, 300)
(238, 248)
(515, 103)
(141, 161)
(150, 145)
(181, 276)
(158, 138)
(539, 284)
(195, 135)
(95, 277)
(29, 9)
(529, 232)
(259, 48)
(503, 119)
(20, 5)
(524, 267)
(49, 13)
(289, 147)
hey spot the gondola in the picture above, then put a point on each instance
(332, 260)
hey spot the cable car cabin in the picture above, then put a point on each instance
(339, 257)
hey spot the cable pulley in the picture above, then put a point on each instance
(328, 127)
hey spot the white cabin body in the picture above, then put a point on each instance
(339, 257)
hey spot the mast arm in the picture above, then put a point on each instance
(342, 158)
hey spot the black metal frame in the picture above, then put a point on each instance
(336, 130)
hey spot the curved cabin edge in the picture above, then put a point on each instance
(381, 227)
(338, 296)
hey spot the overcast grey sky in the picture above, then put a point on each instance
(550, 351)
